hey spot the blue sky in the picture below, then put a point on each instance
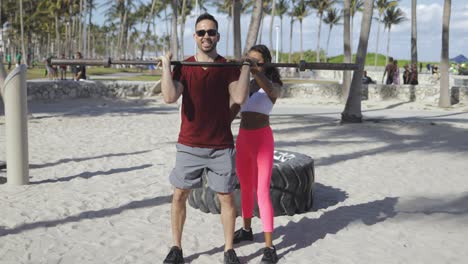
(429, 15)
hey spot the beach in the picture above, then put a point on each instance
(393, 189)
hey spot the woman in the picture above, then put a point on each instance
(254, 148)
(396, 73)
(406, 74)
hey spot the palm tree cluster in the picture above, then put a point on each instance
(133, 27)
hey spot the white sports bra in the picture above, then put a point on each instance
(258, 102)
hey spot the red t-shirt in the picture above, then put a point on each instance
(206, 115)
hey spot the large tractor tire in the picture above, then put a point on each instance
(291, 188)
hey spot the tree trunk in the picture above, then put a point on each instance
(328, 42)
(388, 43)
(182, 29)
(228, 33)
(23, 49)
(90, 24)
(290, 39)
(352, 112)
(414, 34)
(57, 36)
(318, 39)
(444, 100)
(148, 27)
(254, 25)
(174, 40)
(281, 37)
(123, 35)
(237, 29)
(377, 42)
(260, 30)
(273, 11)
(80, 27)
(302, 49)
(347, 49)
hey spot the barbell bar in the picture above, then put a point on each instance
(302, 65)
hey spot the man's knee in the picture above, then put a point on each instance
(226, 199)
(180, 195)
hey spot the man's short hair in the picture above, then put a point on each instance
(206, 16)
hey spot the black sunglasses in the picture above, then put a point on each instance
(211, 32)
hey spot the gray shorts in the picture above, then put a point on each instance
(191, 162)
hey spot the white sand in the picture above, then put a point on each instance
(391, 190)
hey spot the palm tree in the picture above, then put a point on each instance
(174, 40)
(281, 9)
(184, 11)
(381, 6)
(91, 5)
(347, 49)
(254, 25)
(414, 33)
(236, 13)
(148, 17)
(231, 7)
(273, 14)
(291, 16)
(320, 6)
(352, 112)
(300, 12)
(266, 9)
(226, 7)
(23, 50)
(332, 18)
(444, 99)
(355, 6)
(393, 16)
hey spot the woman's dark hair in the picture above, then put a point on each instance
(206, 16)
(271, 73)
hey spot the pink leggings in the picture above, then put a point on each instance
(254, 163)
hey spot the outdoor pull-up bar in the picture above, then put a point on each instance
(302, 65)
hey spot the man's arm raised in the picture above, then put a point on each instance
(170, 89)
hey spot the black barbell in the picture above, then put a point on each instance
(302, 65)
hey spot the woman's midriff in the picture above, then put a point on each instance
(253, 120)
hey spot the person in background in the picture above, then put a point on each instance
(254, 147)
(8, 58)
(63, 69)
(50, 69)
(406, 74)
(19, 56)
(389, 71)
(80, 69)
(435, 72)
(396, 73)
(366, 79)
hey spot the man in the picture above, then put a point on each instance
(19, 56)
(79, 70)
(205, 139)
(366, 79)
(389, 70)
(8, 58)
(63, 69)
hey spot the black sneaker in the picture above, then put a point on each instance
(230, 257)
(175, 256)
(269, 256)
(242, 235)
